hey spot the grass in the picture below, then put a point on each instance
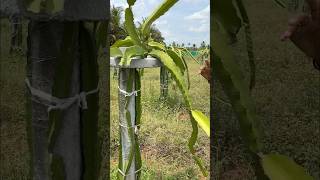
(287, 98)
(164, 132)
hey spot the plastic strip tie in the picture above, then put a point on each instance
(55, 103)
(124, 174)
(127, 94)
(135, 127)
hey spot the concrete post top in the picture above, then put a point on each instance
(137, 62)
(73, 10)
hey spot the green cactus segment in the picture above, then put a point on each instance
(225, 12)
(138, 160)
(123, 43)
(161, 10)
(281, 167)
(176, 72)
(131, 2)
(157, 45)
(48, 6)
(202, 120)
(89, 118)
(131, 28)
(61, 89)
(115, 52)
(131, 52)
(230, 76)
(249, 43)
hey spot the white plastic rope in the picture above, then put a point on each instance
(127, 94)
(135, 127)
(55, 103)
(124, 174)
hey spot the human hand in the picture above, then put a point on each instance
(205, 70)
(304, 31)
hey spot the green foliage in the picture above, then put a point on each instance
(117, 30)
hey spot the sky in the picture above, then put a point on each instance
(188, 21)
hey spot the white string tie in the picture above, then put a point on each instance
(55, 103)
(127, 94)
(135, 127)
(124, 174)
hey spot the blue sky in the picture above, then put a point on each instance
(188, 21)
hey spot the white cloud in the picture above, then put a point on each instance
(200, 29)
(203, 14)
(184, 22)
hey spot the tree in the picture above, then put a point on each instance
(117, 30)
(203, 45)
(194, 46)
(156, 34)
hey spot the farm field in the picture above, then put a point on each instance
(164, 132)
(287, 96)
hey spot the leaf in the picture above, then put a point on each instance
(102, 34)
(123, 43)
(115, 52)
(280, 167)
(131, 52)
(202, 120)
(157, 45)
(131, 28)
(230, 76)
(161, 10)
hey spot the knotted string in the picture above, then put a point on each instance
(55, 103)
